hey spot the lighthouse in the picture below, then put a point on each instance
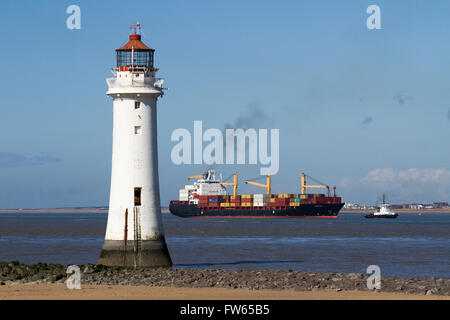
(134, 232)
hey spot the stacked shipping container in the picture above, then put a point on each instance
(247, 200)
(273, 201)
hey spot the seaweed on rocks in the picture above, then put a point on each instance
(15, 272)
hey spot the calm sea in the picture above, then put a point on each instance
(411, 246)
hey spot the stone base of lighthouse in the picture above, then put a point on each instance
(147, 254)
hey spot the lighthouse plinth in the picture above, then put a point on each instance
(152, 253)
(134, 233)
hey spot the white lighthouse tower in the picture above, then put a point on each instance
(134, 233)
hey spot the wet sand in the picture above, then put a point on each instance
(48, 291)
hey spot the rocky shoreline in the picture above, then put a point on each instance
(14, 273)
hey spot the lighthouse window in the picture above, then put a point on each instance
(137, 130)
(136, 58)
(137, 104)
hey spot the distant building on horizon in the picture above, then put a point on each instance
(415, 206)
(440, 205)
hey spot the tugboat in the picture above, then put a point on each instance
(383, 212)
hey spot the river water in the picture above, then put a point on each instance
(410, 246)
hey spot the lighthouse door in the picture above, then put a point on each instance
(137, 196)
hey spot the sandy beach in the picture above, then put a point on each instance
(56, 291)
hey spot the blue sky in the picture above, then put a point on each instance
(366, 110)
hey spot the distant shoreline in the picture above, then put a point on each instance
(64, 210)
(400, 211)
(166, 210)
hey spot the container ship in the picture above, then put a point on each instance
(208, 198)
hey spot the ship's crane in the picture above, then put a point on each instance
(210, 173)
(196, 176)
(304, 185)
(234, 184)
(267, 185)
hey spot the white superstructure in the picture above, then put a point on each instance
(384, 210)
(208, 185)
(134, 233)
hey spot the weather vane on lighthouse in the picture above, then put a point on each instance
(135, 27)
(134, 233)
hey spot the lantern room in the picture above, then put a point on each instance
(135, 55)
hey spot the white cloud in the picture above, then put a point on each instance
(12, 160)
(345, 183)
(379, 176)
(405, 185)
